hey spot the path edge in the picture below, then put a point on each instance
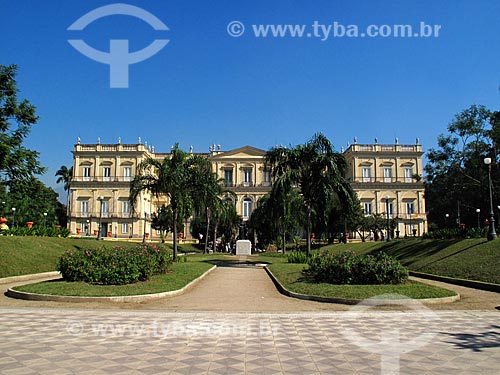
(135, 298)
(369, 301)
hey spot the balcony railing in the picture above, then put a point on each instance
(104, 215)
(101, 179)
(387, 180)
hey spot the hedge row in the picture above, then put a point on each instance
(114, 266)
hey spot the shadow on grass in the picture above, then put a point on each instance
(415, 251)
(476, 342)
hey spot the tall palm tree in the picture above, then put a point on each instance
(207, 193)
(65, 176)
(315, 170)
(171, 177)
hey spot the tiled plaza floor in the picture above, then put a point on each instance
(69, 341)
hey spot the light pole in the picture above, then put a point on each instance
(87, 228)
(388, 219)
(478, 210)
(3, 209)
(447, 217)
(45, 219)
(101, 199)
(491, 230)
(13, 217)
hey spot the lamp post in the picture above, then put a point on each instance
(478, 210)
(13, 217)
(491, 230)
(388, 219)
(45, 219)
(3, 209)
(447, 216)
(101, 199)
(87, 228)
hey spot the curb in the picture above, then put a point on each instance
(490, 287)
(35, 276)
(136, 298)
(369, 301)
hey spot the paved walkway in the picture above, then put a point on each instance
(235, 322)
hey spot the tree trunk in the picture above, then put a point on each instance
(308, 230)
(208, 215)
(174, 211)
(215, 238)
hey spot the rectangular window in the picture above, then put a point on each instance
(410, 209)
(247, 177)
(367, 174)
(105, 208)
(127, 173)
(86, 173)
(124, 228)
(408, 174)
(367, 208)
(266, 178)
(84, 208)
(106, 173)
(247, 208)
(126, 209)
(387, 174)
(228, 177)
(391, 209)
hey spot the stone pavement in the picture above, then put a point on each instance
(70, 341)
(235, 322)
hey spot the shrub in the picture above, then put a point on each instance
(350, 268)
(296, 257)
(115, 266)
(39, 231)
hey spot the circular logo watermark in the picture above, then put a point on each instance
(235, 29)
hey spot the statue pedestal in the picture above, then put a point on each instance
(243, 247)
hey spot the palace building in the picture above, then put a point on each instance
(386, 178)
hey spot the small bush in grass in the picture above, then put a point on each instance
(350, 268)
(115, 266)
(296, 257)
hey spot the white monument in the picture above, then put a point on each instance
(243, 247)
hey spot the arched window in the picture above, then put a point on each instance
(247, 208)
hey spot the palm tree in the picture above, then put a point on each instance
(65, 176)
(208, 193)
(316, 171)
(171, 177)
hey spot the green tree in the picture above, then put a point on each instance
(65, 176)
(32, 199)
(16, 118)
(172, 177)
(456, 177)
(316, 171)
(208, 194)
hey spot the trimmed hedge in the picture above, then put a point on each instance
(351, 268)
(114, 266)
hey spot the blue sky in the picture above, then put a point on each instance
(208, 87)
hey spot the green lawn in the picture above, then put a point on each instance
(27, 255)
(473, 259)
(291, 277)
(181, 274)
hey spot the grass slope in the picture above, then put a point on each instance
(27, 255)
(473, 259)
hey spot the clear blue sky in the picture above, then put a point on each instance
(208, 87)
